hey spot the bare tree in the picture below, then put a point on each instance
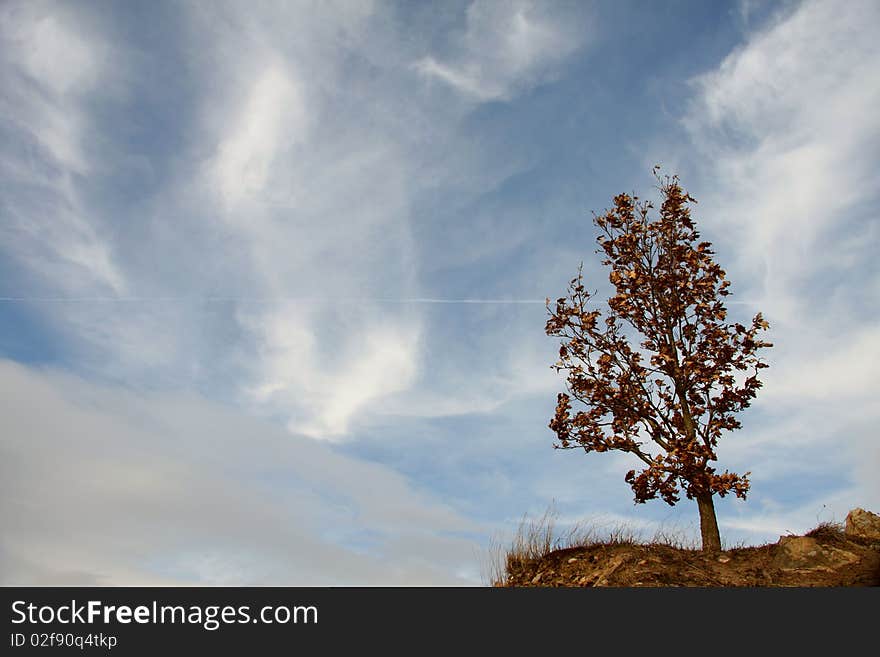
(668, 398)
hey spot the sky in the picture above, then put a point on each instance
(272, 274)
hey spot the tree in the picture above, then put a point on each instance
(667, 400)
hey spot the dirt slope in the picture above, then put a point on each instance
(821, 558)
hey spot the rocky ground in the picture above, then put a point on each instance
(826, 556)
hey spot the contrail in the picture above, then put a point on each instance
(416, 300)
(525, 301)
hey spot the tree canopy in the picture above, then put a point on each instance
(661, 374)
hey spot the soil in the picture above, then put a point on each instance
(819, 559)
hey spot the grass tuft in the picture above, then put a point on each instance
(828, 532)
(537, 538)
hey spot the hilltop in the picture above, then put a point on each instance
(829, 555)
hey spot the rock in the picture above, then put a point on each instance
(572, 560)
(602, 577)
(723, 559)
(806, 553)
(863, 524)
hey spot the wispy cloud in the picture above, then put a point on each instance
(505, 48)
(51, 68)
(787, 143)
(321, 385)
(272, 118)
(792, 152)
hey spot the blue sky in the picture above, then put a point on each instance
(272, 273)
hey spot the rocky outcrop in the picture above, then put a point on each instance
(863, 524)
(806, 553)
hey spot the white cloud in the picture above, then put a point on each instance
(461, 81)
(277, 191)
(50, 52)
(318, 209)
(273, 117)
(322, 386)
(505, 49)
(51, 68)
(105, 487)
(317, 174)
(785, 127)
(785, 123)
(62, 246)
(292, 178)
(843, 370)
(786, 139)
(511, 373)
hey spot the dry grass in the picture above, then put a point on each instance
(675, 538)
(538, 537)
(534, 539)
(828, 532)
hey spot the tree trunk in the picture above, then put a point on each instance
(708, 523)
